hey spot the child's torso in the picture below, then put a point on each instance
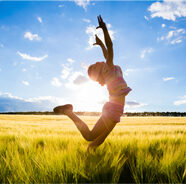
(116, 84)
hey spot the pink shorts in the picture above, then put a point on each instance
(112, 111)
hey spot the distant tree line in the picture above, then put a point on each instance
(179, 114)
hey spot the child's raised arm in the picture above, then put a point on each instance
(108, 41)
(100, 43)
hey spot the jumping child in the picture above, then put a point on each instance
(111, 75)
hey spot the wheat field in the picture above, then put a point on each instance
(49, 149)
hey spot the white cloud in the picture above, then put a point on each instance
(70, 60)
(55, 82)
(1, 45)
(82, 3)
(86, 20)
(170, 34)
(169, 10)
(66, 68)
(9, 95)
(51, 99)
(31, 36)
(134, 104)
(163, 25)
(168, 78)
(76, 79)
(26, 83)
(181, 102)
(10, 103)
(0, 69)
(31, 58)
(135, 71)
(65, 71)
(176, 41)
(60, 5)
(40, 19)
(91, 31)
(174, 36)
(80, 79)
(84, 66)
(146, 51)
(130, 70)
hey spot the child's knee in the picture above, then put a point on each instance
(90, 137)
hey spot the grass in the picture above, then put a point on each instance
(49, 149)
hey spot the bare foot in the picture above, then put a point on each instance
(63, 109)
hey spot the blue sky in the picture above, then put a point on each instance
(46, 47)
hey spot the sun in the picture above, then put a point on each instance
(91, 97)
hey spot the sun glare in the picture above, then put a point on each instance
(91, 97)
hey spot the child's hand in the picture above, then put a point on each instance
(101, 23)
(98, 41)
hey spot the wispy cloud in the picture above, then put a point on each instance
(61, 5)
(56, 82)
(65, 71)
(168, 78)
(70, 60)
(169, 10)
(173, 36)
(31, 58)
(40, 19)
(84, 66)
(91, 31)
(181, 101)
(134, 104)
(26, 83)
(130, 70)
(86, 20)
(146, 51)
(9, 95)
(82, 3)
(50, 99)
(67, 68)
(32, 36)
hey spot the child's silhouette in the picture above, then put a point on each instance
(111, 75)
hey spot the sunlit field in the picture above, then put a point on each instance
(49, 149)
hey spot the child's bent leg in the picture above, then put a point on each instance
(100, 139)
(83, 128)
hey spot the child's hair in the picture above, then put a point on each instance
(95, 71)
